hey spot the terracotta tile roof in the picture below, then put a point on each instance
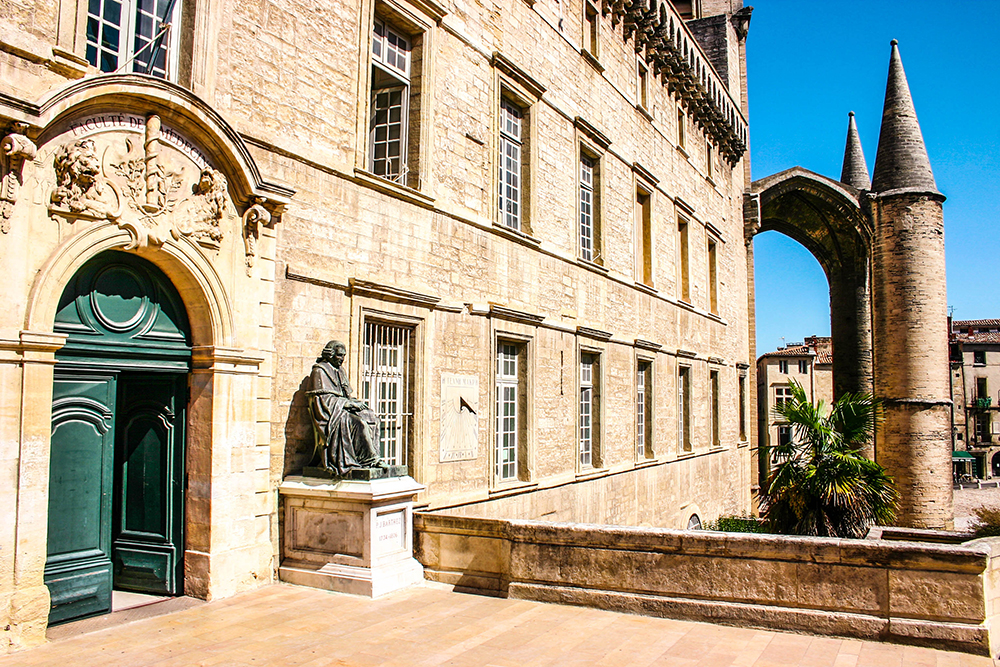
(976, 337)
(975, 324)
(820, 347)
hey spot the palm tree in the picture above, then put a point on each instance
(820, 482)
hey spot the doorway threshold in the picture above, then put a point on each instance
(125, 608)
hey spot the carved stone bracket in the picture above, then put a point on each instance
(751, 216)
(14, 150)
(255, 217)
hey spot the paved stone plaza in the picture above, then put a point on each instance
(292, 626)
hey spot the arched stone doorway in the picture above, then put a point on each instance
(116, 471)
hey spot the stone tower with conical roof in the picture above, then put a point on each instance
(855, 171)
(909, 311)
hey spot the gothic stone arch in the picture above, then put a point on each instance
(826, 217)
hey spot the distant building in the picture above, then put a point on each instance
(975, 380)
(809, 363)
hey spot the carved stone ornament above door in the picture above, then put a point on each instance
(146, 178)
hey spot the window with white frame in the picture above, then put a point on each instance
(386, 385)
(803, 366)
(783, 366)
(684, 408)
(510, 392)
(588, 223)
(589, 410)
(782, 395)
(390, 101)
(139, 36)
(644, 410)
(511, 147)
(784, 435)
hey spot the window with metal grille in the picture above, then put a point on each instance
(511, 143)
(587, 208)
(508, 393)
(386, 385)
(644, 410)
(389, 126)
(138, 36)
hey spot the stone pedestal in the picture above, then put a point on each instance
(350, 536)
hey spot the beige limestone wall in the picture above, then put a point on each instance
(936, 595)
(437, 261)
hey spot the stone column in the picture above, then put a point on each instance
(911, 355)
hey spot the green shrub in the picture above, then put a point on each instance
(737, 524)
(987, 522)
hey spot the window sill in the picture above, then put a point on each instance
(594, 266)
(742, 443)
(647, 463)
(591, 473)
(592, 60)
(392, 188)
(649, 289)
(512, 488)
(515, 234)
(683, 151)
(686, 455)
(644, 112)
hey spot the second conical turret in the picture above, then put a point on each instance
(901, 161)
(855, 171)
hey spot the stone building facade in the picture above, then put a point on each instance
(810, 364)
(975, 387)
(525, 220)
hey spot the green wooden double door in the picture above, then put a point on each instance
(119, 401)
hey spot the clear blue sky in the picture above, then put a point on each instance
(811, 62)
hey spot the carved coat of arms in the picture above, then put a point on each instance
(145, 187)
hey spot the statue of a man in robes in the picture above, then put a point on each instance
(346, 429)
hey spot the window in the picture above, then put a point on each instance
(589, 208)
(713, 378)
(709, 160)
(387, 385)
(511, 408)
(743, 407)
(982, 390)
(390, 103)
(134, 36)
(803, 366)
(643, 237)
(592, 28)
(783, 366)
(784, 435)
(683, 270)
(511, 164)
(589, 411)
(642, 85)
(713, 280)
(979, 357)
(644, 410)
(983, 427)
(681, 128)
(684, 408)
(782, 394)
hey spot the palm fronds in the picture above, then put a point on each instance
(820, 482)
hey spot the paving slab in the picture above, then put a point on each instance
(430, 625)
